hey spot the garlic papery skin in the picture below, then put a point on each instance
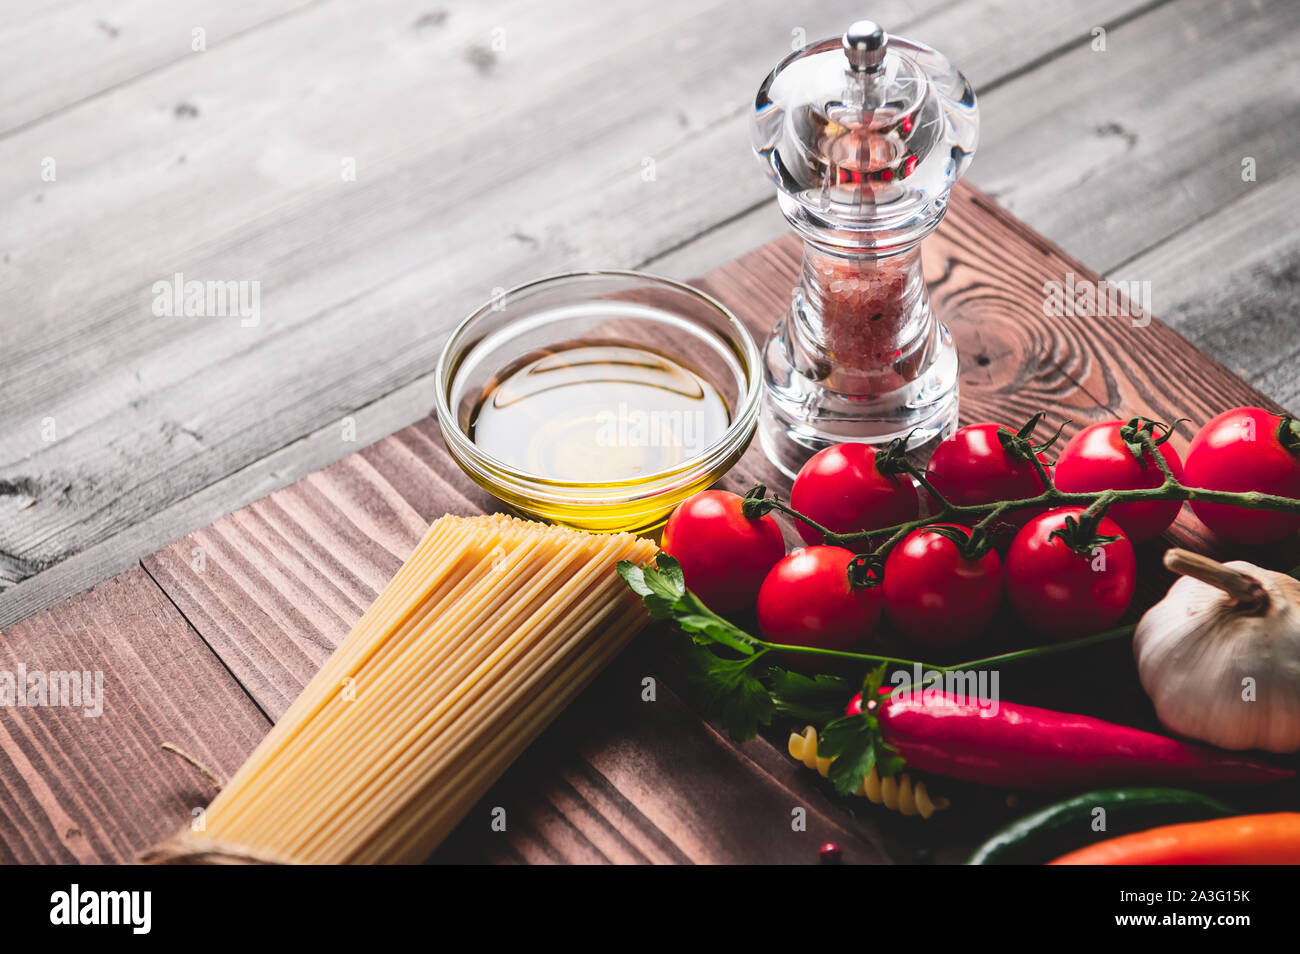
(1220, 627)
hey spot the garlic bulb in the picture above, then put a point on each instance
(1219, 656)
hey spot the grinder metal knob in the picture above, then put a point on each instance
(864, 45)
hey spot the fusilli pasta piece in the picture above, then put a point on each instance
(900, 793)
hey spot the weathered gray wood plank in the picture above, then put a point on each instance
(1231, 284)
(279, 468)
(58, 54)
(1108, 153)
(361, 279)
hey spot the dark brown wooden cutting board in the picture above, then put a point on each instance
(210, 641)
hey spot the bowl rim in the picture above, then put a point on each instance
(742, 426)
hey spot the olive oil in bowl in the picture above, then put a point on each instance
(598, 413)
(599, 399)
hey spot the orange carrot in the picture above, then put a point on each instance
(1244, 840)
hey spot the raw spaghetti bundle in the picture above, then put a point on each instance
(490, 628)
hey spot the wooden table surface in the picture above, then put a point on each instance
(375, 170)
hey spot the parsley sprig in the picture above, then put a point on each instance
(856, 743)
(732, 674)
(736, 677)
(663, 588)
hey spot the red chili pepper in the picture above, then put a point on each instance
(1016, 746)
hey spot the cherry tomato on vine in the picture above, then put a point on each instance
(844, 489)
(1105, 456)
(975, 466)
(1071, 587)
(724, 555)
(1245, 449)
(937, 595)
(807, 601)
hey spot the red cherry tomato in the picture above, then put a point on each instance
(1240, 450)
(807, 601)
(1098, 459)
(972, 467)
(724, 555)
(1064, 593)
(842, 489)
(934, 595)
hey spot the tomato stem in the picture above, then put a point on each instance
(830, 536)
(1019, 655)
(1094, 502)
(988, 521)
(923, 479)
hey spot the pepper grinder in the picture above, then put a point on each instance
(864, 135)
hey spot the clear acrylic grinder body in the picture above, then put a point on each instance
(864, 135)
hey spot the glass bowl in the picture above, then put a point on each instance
(608, 310)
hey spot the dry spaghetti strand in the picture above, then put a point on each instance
(491, 627)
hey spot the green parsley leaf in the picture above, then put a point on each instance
(736, 691)
(664, 584)
(815, 699)
(707, 630)
(888, 761)
(634, 576)
(663, 590)
(747, 708)
(875, 679)
(856, 744)
(729, 690)
(850, 741)
(671, 572)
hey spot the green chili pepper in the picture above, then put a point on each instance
(1066, 825)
